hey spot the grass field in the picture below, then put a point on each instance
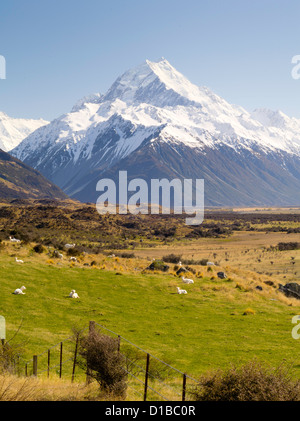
(203, 330)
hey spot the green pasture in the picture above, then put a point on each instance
(202, 330)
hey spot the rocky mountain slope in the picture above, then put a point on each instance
(18, 181)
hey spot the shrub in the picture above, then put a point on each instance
(8, 358)
(126, 255)
(73, 252)
(103, 361)
(292, 245)
(248, 311)
(251, 382)
(38, 248)
(172, 258)
(158, 265)
(191, 270)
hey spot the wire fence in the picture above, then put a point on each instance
(148, 377)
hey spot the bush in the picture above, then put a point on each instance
(158, 265)
(248, 311)
(38, 248)
(292, 245)
(103, 361)
(251, 382)
(172, 258)
(8, 357)
(73, 252)
(126, 255)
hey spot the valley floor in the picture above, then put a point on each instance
(218, 322)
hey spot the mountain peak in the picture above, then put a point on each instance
(271, 118)
(89, 99)
(150, 81)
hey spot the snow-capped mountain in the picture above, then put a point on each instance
(154, 123)
(14, 130)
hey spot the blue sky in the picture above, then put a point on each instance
(60, 50)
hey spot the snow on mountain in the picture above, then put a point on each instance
(14, 130)
(93, 98)
(148, 104)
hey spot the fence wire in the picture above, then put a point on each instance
(156, 377)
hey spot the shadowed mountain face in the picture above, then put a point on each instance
(229, 177)
(19, 181)
(154, 123)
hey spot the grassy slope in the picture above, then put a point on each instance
(201, 330)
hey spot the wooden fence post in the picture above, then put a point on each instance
(119, 343)
(26, 373)
(183, 387)
(75, 356)
(48, 367)
(92, 326)
(34, 368)
(60, 360)
(18, 366)
(146, 377)
(88, 371)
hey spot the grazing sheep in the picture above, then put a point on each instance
(14, 240)
(58, 254)
(187, 280)
(73, 294)
(73, 259)
(19, 291)
(210, 264)
(18, 260)
(70, 246)
(181, 291)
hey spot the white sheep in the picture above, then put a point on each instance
(19, 291)
(73, 294)
(58, 254)
(14, 240)
(73, 259)
(18, 260)
(70, 246)
(210, 264)
(181, 291)
(187, 280)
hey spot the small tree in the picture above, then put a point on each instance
(101, 358)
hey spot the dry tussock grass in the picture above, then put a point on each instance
(13, 388)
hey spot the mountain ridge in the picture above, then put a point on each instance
(154, 103)
(14, 130)
(19, 181)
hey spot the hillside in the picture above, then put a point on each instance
(19, 181)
